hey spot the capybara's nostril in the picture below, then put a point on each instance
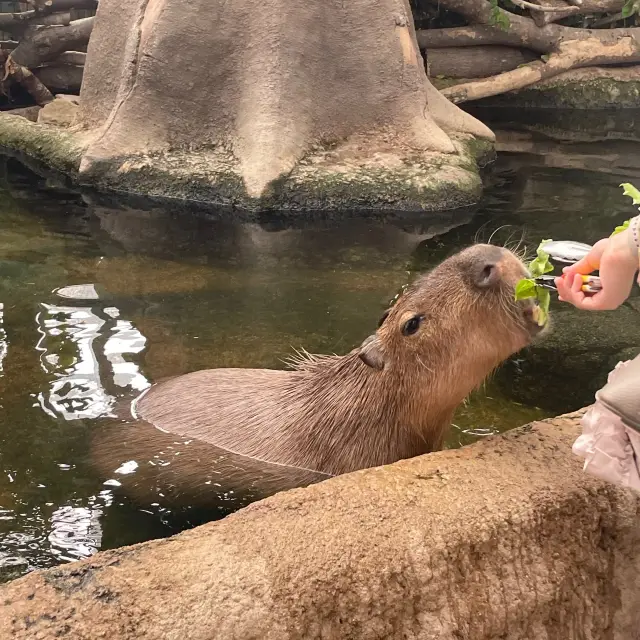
(488, 275)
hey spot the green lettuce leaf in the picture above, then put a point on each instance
(540, 265)
(632, 192)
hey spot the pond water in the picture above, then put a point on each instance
(167, 291)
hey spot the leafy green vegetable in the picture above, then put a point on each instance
(540, 265)
(541, 312)
(623, 227)
(632, 192)
(527, 287)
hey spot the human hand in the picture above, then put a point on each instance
(617, 262)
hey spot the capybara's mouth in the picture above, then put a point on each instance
(531, 314)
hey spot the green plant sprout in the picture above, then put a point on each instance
(527, 287)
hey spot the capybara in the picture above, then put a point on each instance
(391, 398)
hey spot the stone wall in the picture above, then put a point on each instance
(503, 539)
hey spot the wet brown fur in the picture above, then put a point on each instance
(390, 399)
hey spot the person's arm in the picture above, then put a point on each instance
(617, 259)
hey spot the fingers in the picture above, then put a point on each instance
(591, 262)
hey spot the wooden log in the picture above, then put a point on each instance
(51, 6)
(587, 7)
(50, 42)
(473, 36)
(68, 5)
(61, 79)
(23, 76)
(74, 58)
(476, 62)
(52, 20)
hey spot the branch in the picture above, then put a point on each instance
(570, 55)
(522, 31)
(587, 7)
(49, 42)
(24, 77)
(523, 4)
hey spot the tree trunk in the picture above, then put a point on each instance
(476, 62)
(269, 81)
(48, 43)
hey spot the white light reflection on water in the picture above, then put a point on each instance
(3, 339)
(75, 532)
(78, 348)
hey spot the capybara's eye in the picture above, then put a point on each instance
(384, 317)
(412, 325)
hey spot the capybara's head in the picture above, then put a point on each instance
(462, 313)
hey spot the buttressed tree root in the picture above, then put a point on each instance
(271, 82)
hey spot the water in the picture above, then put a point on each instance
(180, 291)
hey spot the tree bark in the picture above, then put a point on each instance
(472, 36)
(570, 55)
(476, 62)
(49, 42)
(257, 83)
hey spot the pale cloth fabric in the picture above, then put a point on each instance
(611, 450)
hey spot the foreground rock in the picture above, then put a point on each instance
(504, 539)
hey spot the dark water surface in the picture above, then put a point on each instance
(183, 291)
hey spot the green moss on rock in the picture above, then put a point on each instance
(54, 147)
(596, 93)
(329, 178)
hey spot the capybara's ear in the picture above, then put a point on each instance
(371, 353)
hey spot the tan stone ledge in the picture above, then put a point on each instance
(507, 539)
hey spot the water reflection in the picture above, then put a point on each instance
(164, 472)
(75, 531)
(3, 339)
(73, 341)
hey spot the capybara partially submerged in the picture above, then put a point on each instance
(391, 398)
